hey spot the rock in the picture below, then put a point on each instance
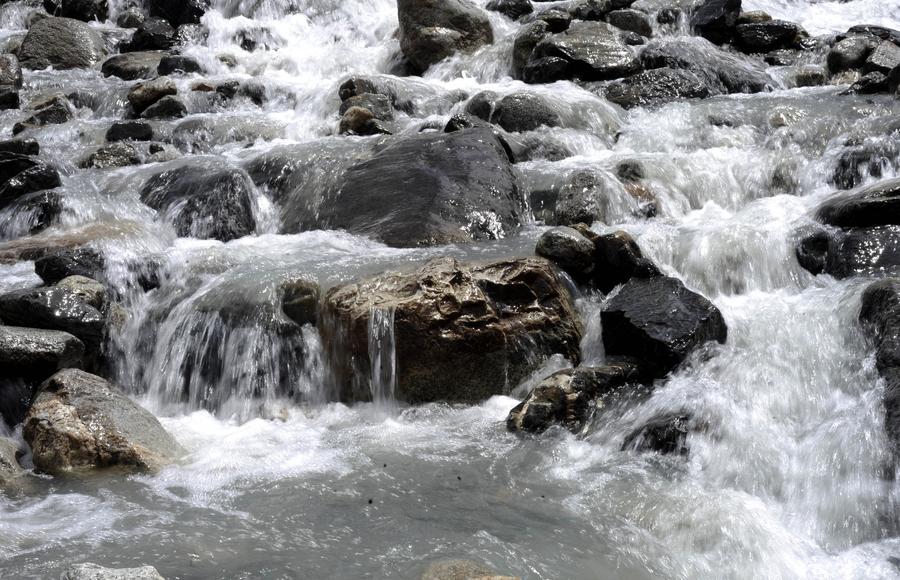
(84, 10)
(62, 263)
(130, 131)
(501, 318)
(178, 12)
(432, 30)
(582, 200)
(130, 18)
(95, 572)
(9, 98)
(31, 180)
(116, 154)
(360, 121)
(883, 59)
(11, 164)
(849, 53)
(55, 110)
(632, 20)
(569, 250)
(722, 72)
(656, 86)
(855, 251)
(810, 76)
(520, 112)
(10, 72)
(874, 205)
(767, 36)
(879, 317)
(514, 9)
(300, 300)
(666, 434)
(593, 51)
(62, 43)
(590, 10)
(660, 322)
(715, 20)
(20, 146)
(168, 107)
(36, 353)
(9, 463)
(87, 289)
(461, 570)
(143, 95)
(131, 65)
(177, 63)
(861, 160)
(567, 397)
(526, 39)
(426, 189)
(547, 69)
(379, 105)
(869, 84)
(206, 203)
(54, 308)
(80, 422)
(618, 259)
(152, 34)
(754, 17)
(556, 19)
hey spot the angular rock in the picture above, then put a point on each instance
(130, 18)
(618, 259)
(659, 322)
(521, 112)
(131, 65)
(856, 251)
(62, 43)
(869, 84)
(568, 249)
(84, 10)
(54, 308)
(95, 572)
(432, 30)
(500, 318)
(130, 131)
(80, 422)
(526, 39)
(715, 20)
(546, 69)
(883, 59)
(631, 20)
(209, 203)
(62, 263)
(656, 86)
(20, 146)
(556, 19)
(111, 155)
(34, 179)
(427, 189)
(152, 34)
(767, 36)
(55, 110)
(143, 95)
(168, 107)
(36, 353)
(593, 51)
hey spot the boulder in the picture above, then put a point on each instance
(527, 38)
(152, 34)
(520, 112)
(80, 422)
(300, 300)
(9, 462)
(95, 572)
(569, 249)
(379, 105)
(501, 319)
(208, 203)
(9, 98)
(591, 50)
(658, 321)
(879, 317)
(168, 107)
(84, 10)
(130, 131)
(176, 63)
(40, 177)
(361, 121)
(178, 12)
(869, 84)
(54, 308)
(12, 164)
(568, 397)
(656, 86)
(721, 71)
(584, 199)
(762, 37)
(87, 289)
(874, 205)
(850, 53)
(10, 72)
(132, 65)
(54, 110)
(112, 155)
(631, 20)
(425, 189)
(62, 43)
(556, 19)
(883, 59)
(715, 20)
(36, 353)
(20, 146)
(62, 263)
(618, 259)
(666, 434)
(432, 30)
(867, 251)
(514, 9)
(143, 95)
(130, 18)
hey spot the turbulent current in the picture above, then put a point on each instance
(792, 476)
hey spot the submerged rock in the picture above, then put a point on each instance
(879, 316)
(430, 30)
(80, 422)
(658, 321)
(460, 332)
(62, 43)
(95, 572)
(656, 86)
(461, 570)
(666, 434)
(84, 10)
(9, 463)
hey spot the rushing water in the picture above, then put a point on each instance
(791, 478)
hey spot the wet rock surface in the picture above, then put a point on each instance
(62, 43)
(430, 31)
(97, 572)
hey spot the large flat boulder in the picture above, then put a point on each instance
(591, 51)
(657, 86)
(81, 422)
(37, 353)
(432, 30)
(874, 205)
(54, 308)
(63, 43)
(460, 332)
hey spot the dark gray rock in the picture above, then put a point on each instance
(300, 300)
(631, 20)
(79, 422)
(547, 69)
(556, 20)
(715, 20)
(117, 154)
(36, 353)
(765, 37)
(659, 322)
(130, 131)
(869, 84)
(593, 51)
(875, 205)
(870, 158)
(20, 146)
(432, 30)
(879, 317)
(176, 63)
(152, 34)
(379, 105)
(62, 43)
(618, 259)
(520, 112)
(850, 53)
(514, 9)
(855, 251)
(810, 76)
(569, 249)
(84, 10)
(204, 202)
(54, 308)
(178, 12)
(10, 72)
(526, 40)
(584, 199)
(54, 110)
(168, 107)
(130, 18)
(666, 434)
(883, 59)
(131, 65)
(27, 182)
(9, 98)
(656, 86)
(59, 264)
(143, 95)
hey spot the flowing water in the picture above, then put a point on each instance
(792, 478)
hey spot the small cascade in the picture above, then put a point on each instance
(383, 358)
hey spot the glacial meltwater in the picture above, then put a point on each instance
(340, 431)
